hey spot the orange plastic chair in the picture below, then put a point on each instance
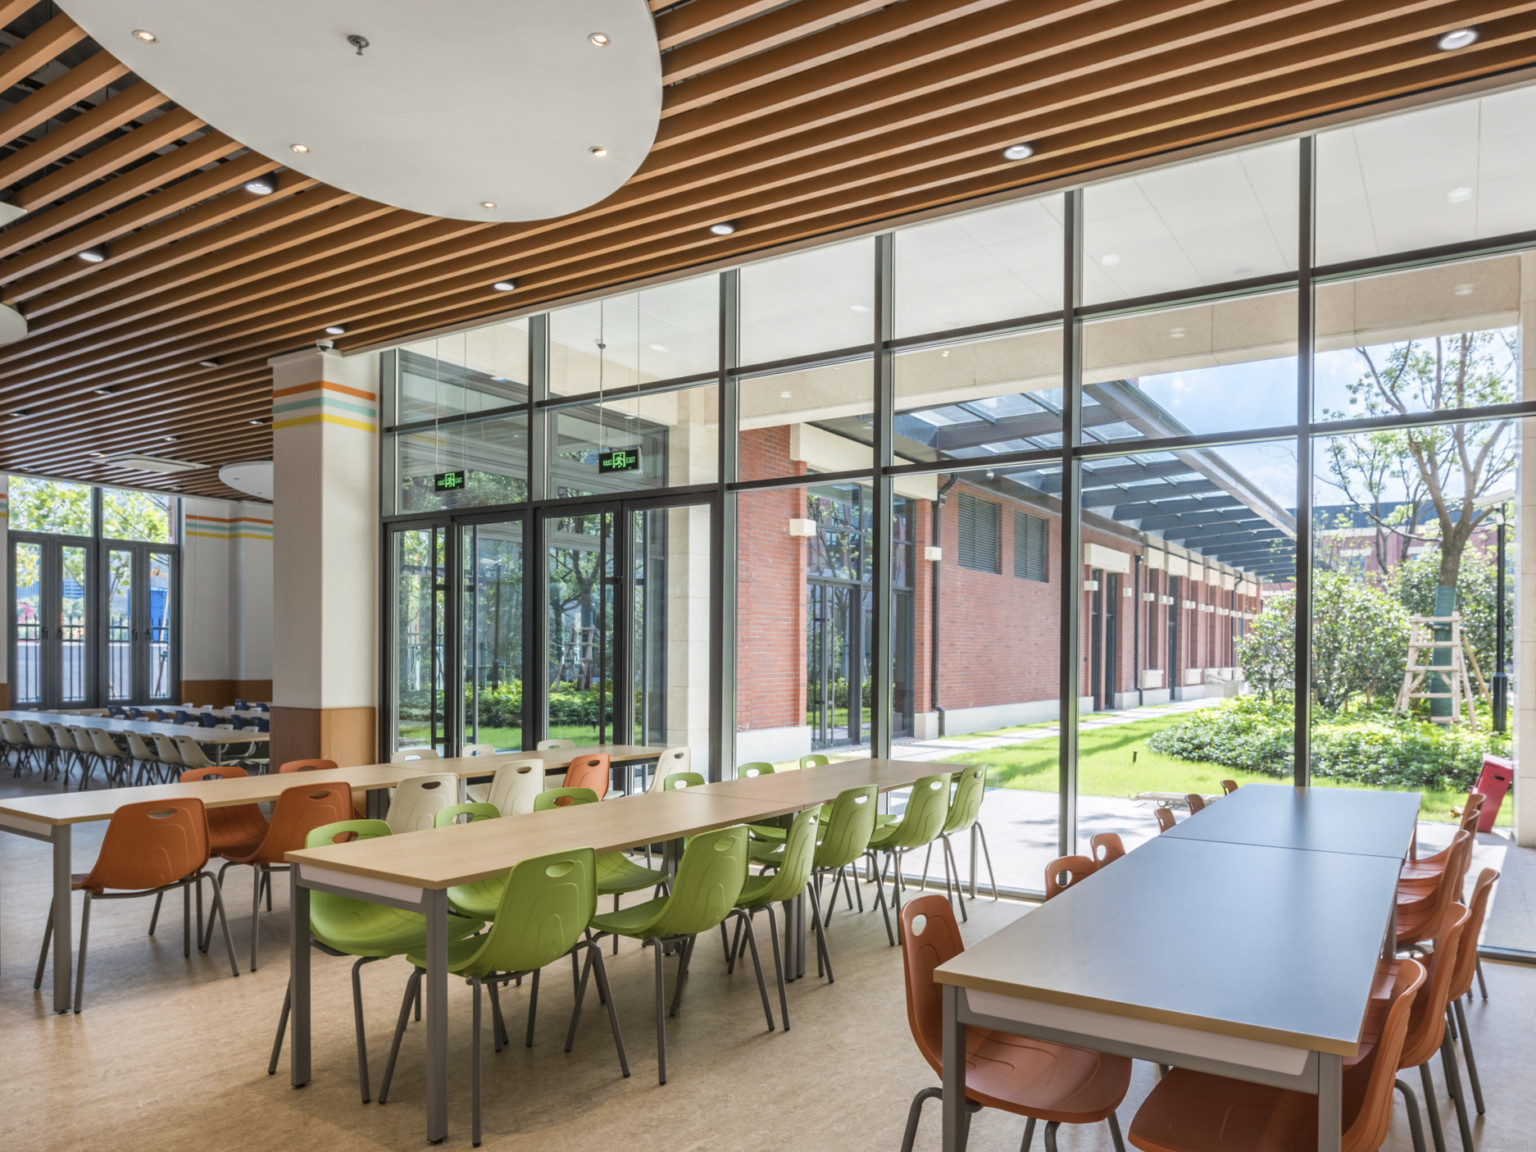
(1196, 802)
(319, 764)
(237, 828)
(1228, 787)
(1106, 848)
(1422, 904)
(1031, 1078)
(1430, 867)
(297, 813)
(1065, 871)
(149, 849)
(1426, 1034)
(1198, 1112)
(1467, 965)
(590, 772)
(1165, 818)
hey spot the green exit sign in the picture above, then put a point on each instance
(449, 481)
(619, 460)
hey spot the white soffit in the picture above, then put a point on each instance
(451, 104)
(252, 476)
(13, 325)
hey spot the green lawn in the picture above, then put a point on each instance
(509, 738)
(1116, 761)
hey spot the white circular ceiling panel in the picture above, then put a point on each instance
(253, 476)
(494, 110)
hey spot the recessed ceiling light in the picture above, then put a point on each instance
(505, 285)
(335, 329)
(97, 453)
(723, 228)
(1464, 289)
(1018, 151)
(21, 411)
(299, 148)
(211, 362)
(785, 395)
(658, 347)
(598, 150)
(102, 391)
(487, 204)
(1460, 38)
(170, 439)
(1458, 195)
(600, 39)
(262, 185)
(1111, 259)
(257, 421)
(859, 307)
(145, 35)
(94, 255)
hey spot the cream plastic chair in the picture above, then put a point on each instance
(16, 737)
(85, 754)
(515, 785)
(115, 764)
(406, 755)
(142, 753)
(167, 756)
(479, 793)
(67, 756)
(670, 761)
(192, 754)
(551, 745)
(44, 751)
(419, 798)
(479, 749)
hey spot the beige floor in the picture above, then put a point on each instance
(171, 1054)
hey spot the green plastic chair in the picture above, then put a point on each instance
(815, 760)
(563, 798)
(964, 808)
(546, 905)
(753, 768)
(923, 820)
(709, 880)
(346, 926)
(761, 893)
(682, 780)
(475, 810)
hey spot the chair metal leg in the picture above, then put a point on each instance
(884, 910)
(154, 917)
(1029, 1134)
(915, 1114)
(85, 928)
(1415, 1124)
(1481, 983)
(223, 918)
(186, 922)
(42, 958)
(475, 1060)
(684, 958)
(987, 852)
(533, 1008)
(357, 1025)
(927, 859)
(411, 986)
(1114, 1133)
(1050, 1135)
(952, 870)
(282, 1027)
(1432, 1107)
(661, 1012)
(823, 953)
(600, 971)
(1466, 1051)
(778, 969)
(255, 912)
(498, 1022)
(1452, 1082)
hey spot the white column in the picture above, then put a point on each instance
(325, 576)
(250, 599)
(1523, 706)
(205, 601)
(5, 579)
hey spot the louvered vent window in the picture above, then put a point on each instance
(979, 521)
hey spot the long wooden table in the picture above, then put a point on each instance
(1250, 958)
(142, 727)
(414, 870)
(51, 817)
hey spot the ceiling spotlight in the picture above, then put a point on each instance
(1460, 38)
(658, 347)
(170, 439)
(1110, 260)
(21, 411)
(723, 228)
(1458, 195)
(335, 329)
(859, 307)
(94, 255)
(600, 39)
(262, 185)
(299, 148)
(145, 35)
(505, 285)
(598, 150)
(487, 204)
(102, 391)
(255, 421)
(211, 362)
(1018, 151)
(96, 453)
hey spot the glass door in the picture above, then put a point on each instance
(140, 664)
(580, 577)
(420, 615)
(492, 628)
(50, 658)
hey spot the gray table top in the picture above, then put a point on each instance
(1314, 819)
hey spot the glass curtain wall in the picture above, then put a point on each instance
(1081, 486)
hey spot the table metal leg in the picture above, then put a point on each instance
(954, 1072)
(1330, 1102)
(974, 854)
(794, 938)
(378, 804)
(436, 908)
(63, 944)
(298, 977)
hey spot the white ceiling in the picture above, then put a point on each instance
(451, 104)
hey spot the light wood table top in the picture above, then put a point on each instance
(142, 727)
(464, 853)
(1309, 819)
(1267, 944)
(802, 788)
(555, 759)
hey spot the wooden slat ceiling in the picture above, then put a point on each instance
(793, 119)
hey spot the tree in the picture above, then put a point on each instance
(1446, 471)
(1359, 639)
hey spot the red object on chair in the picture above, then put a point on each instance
(1493, 782)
